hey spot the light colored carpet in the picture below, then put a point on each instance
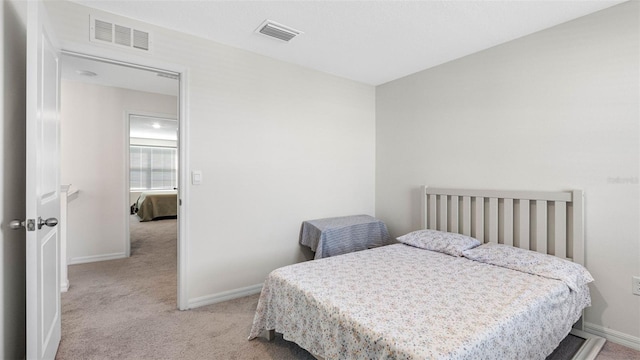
(613, 351)
(126, 309)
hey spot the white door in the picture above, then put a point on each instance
(43, 187)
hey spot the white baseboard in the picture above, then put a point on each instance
(95, 258)
(224, 296)
(613, 335)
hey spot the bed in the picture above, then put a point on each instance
(156, 205)
(494, 299)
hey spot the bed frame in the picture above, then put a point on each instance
(547, 222)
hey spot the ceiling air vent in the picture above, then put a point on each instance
(278, 31)
(109, 32)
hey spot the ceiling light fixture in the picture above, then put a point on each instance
(156, 126)
(278, 31)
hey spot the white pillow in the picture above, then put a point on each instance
(440, 241)
(531, 262)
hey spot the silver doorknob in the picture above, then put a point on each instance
(50, 222)
(16, 224)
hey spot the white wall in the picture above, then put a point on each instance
(12, 178)
(93, 135)
(555, 110)
(276, 143)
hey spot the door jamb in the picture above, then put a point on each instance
(183, 150)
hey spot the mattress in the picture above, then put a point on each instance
(401, 302)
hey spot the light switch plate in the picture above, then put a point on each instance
(196, 177)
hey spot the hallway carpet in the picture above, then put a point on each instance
(126, 309)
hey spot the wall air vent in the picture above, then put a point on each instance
(140, 40)
(104, 31)
(278, 31)
(123, 35)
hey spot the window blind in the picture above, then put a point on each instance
(153, 168)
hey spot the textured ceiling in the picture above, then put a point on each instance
(368, 41)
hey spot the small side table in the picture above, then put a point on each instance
(341, 235)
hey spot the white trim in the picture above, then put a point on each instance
(183, 190)
(62, 228)
(111, 58)
(64, 285)
(96, 258)
(613, 335)
(127, 185)
(224, 296)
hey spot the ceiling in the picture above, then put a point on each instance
(372, 42)
(149, 127)
(108, 74)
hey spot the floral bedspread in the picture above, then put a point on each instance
(400, 302)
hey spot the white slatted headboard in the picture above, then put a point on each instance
(546, 222)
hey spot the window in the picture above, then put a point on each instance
(153, 168)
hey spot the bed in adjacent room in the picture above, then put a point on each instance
(441, 294)
(156, 205)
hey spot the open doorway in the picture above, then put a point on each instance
(153, 178)
(102, 101)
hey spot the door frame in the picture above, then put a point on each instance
(136, 61)
(127, 160)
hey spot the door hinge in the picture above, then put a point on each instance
(31, 224)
